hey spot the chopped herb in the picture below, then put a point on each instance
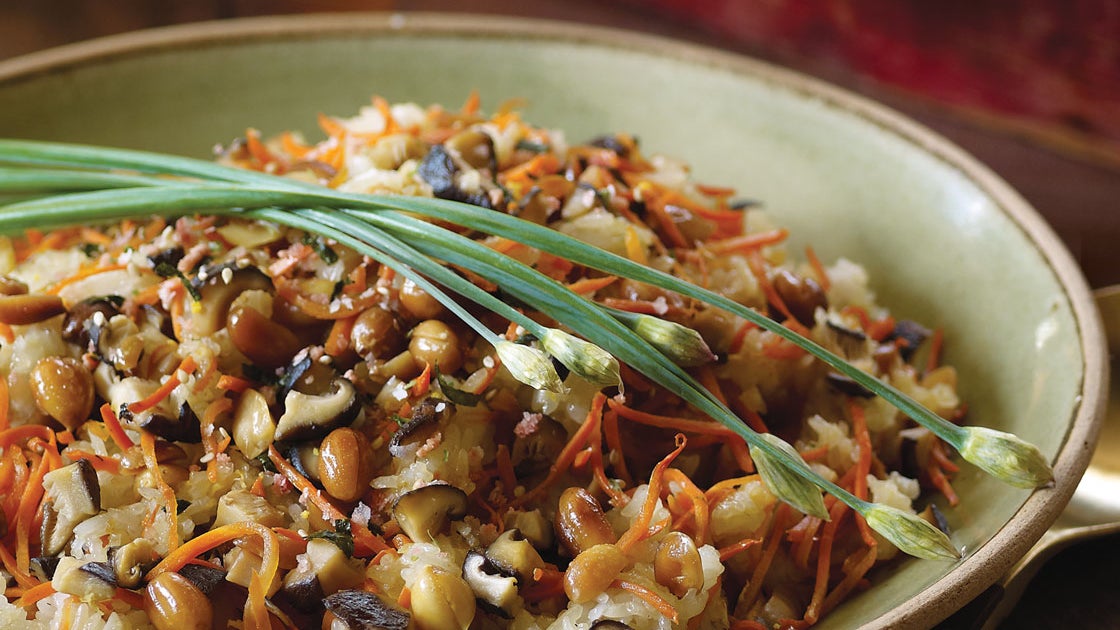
(91, 250)
(265, 462)
(338, 287)
(168, 270)
(322, 249)
(342, 537)
(454, 394)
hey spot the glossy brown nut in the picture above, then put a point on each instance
(63, 389)
(376, 332)
(592, 571)
(435, 343)
(677, 564)
(11, 286)
(345, 464)
(419, 303)
(265, 342)
(802, 296)
(174, 603)
(18, 310)
(580, 522)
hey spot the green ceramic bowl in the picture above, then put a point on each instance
(946, 241)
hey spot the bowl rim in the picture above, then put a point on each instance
(982, 566)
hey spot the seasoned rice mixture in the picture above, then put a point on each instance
(209, 422)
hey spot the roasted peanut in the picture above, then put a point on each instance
(265, 342)
(345, 464)
(174, 603)
(802, 296)
(434, 342)
(442, 601)
(580, 523)
(63, 389)
(11, 286)
(592, 571)
(376, 332)
(418, 302)
(17, 310)
(677, 564)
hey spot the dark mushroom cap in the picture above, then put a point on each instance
(427, 511)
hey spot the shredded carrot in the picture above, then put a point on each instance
(668, 422)
(470, 107)
(734, 549)
(34, 594)
(863, 464)
(187, 366)
(362, 536)
(818, 268)
(770, 549)
(330, 126)
(640, 529)
(747, 624)
(6, 333)
(28, 506)
(860, 566)
(233, 384)
(82, 275)
(209, 442)
(423, 382)
(614, 444)
(564, 460)
(659, 603)
(99, 462)
(14, 435)
(591, 285)
(256, 614)
(148, 448)
(4, 402)
(338, 339)
(292, 146)
(699, 509)
(757, 264)
(260, 153)
(335, 309)
(824, 562)
(936, 471)
(747, 242)
(357, 282)
(25, 580)
(116, 431)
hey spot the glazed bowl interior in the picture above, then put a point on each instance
(944, 241)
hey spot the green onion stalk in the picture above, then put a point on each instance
(72, 184)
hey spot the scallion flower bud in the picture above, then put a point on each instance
(683, 345)
(1006, 457)
(529, 365)
(910, 533)
(784, 482)
(586, 359)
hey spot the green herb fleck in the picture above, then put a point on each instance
(322, 249)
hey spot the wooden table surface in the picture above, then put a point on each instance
(1078, 194)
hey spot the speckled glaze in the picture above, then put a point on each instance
(945, 241)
